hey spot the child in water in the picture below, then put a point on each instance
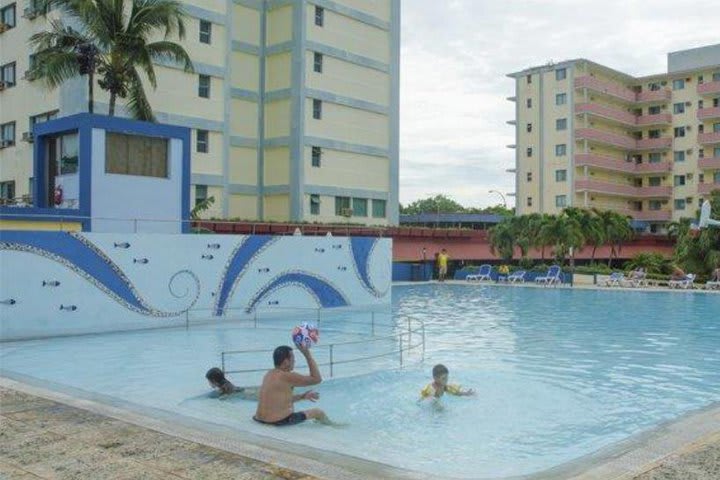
(223, 386)
(440, 385)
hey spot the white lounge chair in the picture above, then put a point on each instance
(482, 274)
(636, 279)
(615, 279)
(517, 276)
(712, 285)
(685, 283)
(552, 277)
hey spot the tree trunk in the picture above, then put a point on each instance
(91, 85)
(610, 257)
(592, 257)
(113, 96)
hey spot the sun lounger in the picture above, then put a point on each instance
(685, 283)
(518, 276)
(636, 279)
(552, 277)
(712, 285)
(615, 279)
(482, 274)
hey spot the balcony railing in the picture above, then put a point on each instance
(653, 143)
(610, 188)
(652, 215)
(707, 113)
(662, 95)
(706, 188)
(610, 138)
(619, 165)
(604, 87)
(712, 163)
(709, 88)
(710, 137)
(653, 167)
(656, 119)
(626, 118)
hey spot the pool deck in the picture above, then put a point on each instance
(44, 435)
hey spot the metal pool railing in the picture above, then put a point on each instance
(404, 340)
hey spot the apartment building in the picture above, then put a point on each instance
(293, 106)
(593, 137)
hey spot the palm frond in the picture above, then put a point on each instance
(149, 15)
(137, 102)
(55, 67)
(171, 51)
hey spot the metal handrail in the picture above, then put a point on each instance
(418, 330)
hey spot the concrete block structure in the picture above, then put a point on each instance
(293, 106)
(593, 137)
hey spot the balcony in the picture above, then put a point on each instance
(712, 163)
(653, 167)
(709, 88)
(603, 162)
(708, 113)
(608, 113)
(606, 88)
(511, 122)
(707, 188)
(657, 119)
(623, 190)
(710, 137)
(608, 138)
(661, 143)
(651, 96)
(652, 215)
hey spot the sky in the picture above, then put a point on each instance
(455, 55)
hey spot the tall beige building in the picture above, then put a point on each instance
(293, 106)
(593, 137)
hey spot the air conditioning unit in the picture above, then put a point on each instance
(29, 75)
(688, 79)
(6, 143)
(664, 154)
(689, 176)
(663, 83)
(4, 27)
(346, 212)
(688, 128)
(30, 13)
(665, 202)
(2, 86)
(689, 200)
(689, 151)
(28, 137)
(688, 104)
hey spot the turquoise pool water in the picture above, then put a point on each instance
(558, 373)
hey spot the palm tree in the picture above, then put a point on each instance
(564, 234)
(616, 230)
(113, 41)
(502, 239)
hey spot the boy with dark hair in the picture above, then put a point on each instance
(440, 386)
(223, 386)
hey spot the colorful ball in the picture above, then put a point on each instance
(305, 334)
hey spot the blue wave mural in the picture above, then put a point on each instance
(243, 255)
(326, 295)
(362, 248)
(81, 256)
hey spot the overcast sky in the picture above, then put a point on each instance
(455, 55)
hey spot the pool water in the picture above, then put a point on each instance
(558, 374)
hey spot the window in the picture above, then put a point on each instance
(560, 150)
(529, 103)
(7, 16)
(529, 79)
(319, 16)
(529, 127)
(716, 77)
(561, 99)
(7, 75)
(653, 133)
(654, 204)
(701, 128)
(205, 31)
(560, 175)
(679, 180)
(136, 155)
(31, 187)
(716, 152)
(701, 178)
(359, 206)
(314, 204)
(201, 194)
(42, 118)
(716, 178)
(701, 80)
(66, 156)
(529, 176)
(679, 132)
(342, 206)
(528, 152)
(654, 110)
(316, 153)
(529, 201)
(378, 208)
(202, 144)
(204, 86)
(7, 190)
(679, 156)
(561, 201)
(678, 108)
(655, 157)
(561, 124)
(7, 134)
(561, 74)
(654, 86)
(317, 109)
(716, 127)
(679, 204)
(317, 62)
(700, 104)
(679, 84)
(654, 181)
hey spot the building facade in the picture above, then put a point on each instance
(293, 106)
(592, 137)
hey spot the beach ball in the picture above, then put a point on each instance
(305, 334)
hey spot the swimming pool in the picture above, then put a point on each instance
(559, 374)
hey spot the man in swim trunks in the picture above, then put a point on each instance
(442, 265)
(276, 399)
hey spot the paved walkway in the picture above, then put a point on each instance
(42, 439)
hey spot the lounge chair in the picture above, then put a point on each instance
(712, 285)
(482, 274)
(686, 282)
(517, 276)
(552, 277)
(615, 279)
(636, 279)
